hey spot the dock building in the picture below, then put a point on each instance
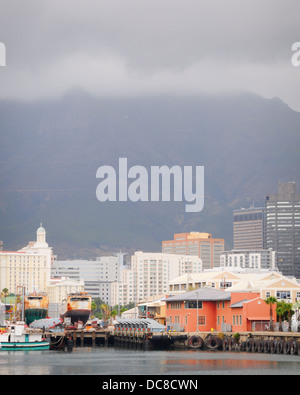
(211, 309)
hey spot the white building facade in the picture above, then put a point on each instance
(249, 259)
(97, 275)
(29, 267)
(150, 275)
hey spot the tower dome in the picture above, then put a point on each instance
(41, 234)
(41, 230)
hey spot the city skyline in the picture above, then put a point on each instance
(149, 165)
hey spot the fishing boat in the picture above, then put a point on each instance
(36, 306)
(77, 307)
(18, 337)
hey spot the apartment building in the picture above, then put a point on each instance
(249, 259)
(202, 245)
(150, 275)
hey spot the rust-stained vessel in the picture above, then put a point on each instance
(78, 307)
(36, 306)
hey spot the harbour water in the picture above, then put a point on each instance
(127, 362)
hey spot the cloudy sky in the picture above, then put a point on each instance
(137, 47)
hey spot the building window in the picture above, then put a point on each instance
(202, 320)
(175, 305)
(193, 305)
(283, 295)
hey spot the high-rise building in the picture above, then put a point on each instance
(198, 244)
(283, 227)
(29, 267)
(150, 275)
(248, 228)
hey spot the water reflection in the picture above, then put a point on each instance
(221, 364)
(111, 361)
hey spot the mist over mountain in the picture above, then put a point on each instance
(50, 151)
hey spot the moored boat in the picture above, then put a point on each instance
(78, 307)
(17, 337)
(36, 306)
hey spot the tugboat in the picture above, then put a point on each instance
(17, 337)
(78, 307)
(36, 306)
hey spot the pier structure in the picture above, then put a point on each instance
(79, 337)
(261, 342)
(254, 342)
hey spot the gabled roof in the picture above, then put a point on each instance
(201, 294)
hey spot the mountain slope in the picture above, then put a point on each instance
(50, 152)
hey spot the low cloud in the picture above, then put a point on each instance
(137, 47)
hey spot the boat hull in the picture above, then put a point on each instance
(32, 315)
(77, 315)
(24, 346)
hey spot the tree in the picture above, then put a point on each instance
(105, 311)
(271, 301)
(114, 313)
(280, 310)
(290, 312)
(96, 307)
(284, 311)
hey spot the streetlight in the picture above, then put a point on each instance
(197, 311)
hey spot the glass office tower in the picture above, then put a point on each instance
(283, 227)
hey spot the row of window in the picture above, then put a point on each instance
(191, 304)
(236, 320)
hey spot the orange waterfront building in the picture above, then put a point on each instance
(218, 310)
